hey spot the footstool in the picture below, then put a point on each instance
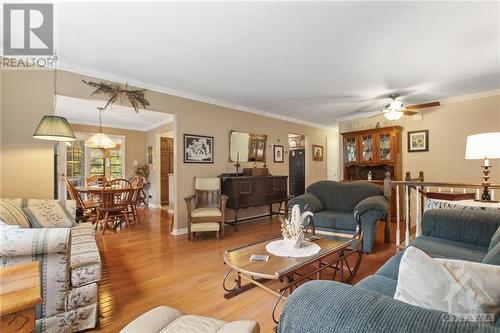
(165, 319)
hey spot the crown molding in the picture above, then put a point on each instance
(462, 98)
(160, 89)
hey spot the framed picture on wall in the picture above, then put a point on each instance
(317, 153)
(418, 141)
(278, 154)
(198, 149)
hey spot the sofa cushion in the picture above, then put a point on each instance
(206, 212)
(334, 220)
(343, 197)
(380, 284)
(391, 268)
(48, 213)
(12, 213)
(465, 226)
(442, 248)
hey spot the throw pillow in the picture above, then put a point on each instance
(454, 286)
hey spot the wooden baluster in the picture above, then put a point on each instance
(451, 190)
(398, 221)
(417, 211)
(477, 194)
(492, 195)
(465, 190)
(407, 215)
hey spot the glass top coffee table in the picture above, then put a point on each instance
(290, 271)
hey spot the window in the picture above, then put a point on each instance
(109, 163)
(115, 164)
(96, 162)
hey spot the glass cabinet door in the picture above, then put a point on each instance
(367, 148)
(385, 147)
(351, 149)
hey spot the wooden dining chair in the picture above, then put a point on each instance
(206, 207)
(88, 207)
(115, 197)
(137, 189)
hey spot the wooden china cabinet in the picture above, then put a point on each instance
(375, 150)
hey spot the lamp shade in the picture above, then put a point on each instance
(100, 140)
(484, 145)
(54, 128)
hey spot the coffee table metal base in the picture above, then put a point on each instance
(290, 280)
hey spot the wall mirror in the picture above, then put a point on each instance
(247, 147)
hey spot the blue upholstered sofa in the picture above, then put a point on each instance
(334, 203)
(325, 306)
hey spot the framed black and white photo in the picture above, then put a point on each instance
(278, 154)
(418, 141)
(198, 149)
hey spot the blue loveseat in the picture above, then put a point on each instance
(334, 204)
(325, 306)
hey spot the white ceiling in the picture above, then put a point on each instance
(313, 61)
(84, 112)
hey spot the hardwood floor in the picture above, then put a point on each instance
(145, 266)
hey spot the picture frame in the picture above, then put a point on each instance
(198, 149)
(278, 153)
(317, 153)
(150, 155)
(418, 141)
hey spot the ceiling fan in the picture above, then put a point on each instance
(396, 109)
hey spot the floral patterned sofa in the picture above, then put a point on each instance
(70, 264)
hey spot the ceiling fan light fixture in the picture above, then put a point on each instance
(392, 114)
(396, 105)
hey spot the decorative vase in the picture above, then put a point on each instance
(294, 242)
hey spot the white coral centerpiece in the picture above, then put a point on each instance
(293, 229)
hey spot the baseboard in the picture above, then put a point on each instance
(177, 232)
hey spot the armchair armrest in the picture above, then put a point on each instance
(467, 226)
(189, 201)
(307, 200)
(327, 306)
(18, 242)
(223, 202)
(376, 202)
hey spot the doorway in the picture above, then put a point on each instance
(296, 165)
(166, 169)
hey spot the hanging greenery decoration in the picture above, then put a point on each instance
(116, 92)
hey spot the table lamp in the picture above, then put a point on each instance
(484, 146)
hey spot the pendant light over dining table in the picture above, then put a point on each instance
(100, 140)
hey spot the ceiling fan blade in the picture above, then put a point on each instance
(423, 105)
(409, 113)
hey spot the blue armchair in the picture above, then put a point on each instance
(334, 204)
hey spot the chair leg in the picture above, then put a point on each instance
(136, 215)
(218, 235)
(105, 225)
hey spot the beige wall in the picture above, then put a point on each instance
(135, 144)
(191, 117)
(27, 164)
(448, 127)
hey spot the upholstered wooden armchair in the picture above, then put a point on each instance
(206, 207)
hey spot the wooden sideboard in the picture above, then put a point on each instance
(254, 191)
